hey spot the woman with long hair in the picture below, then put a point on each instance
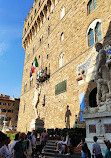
(85, 150)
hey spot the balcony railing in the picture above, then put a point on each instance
(43, 75)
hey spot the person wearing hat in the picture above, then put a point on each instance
(96, 150)
(107, 151)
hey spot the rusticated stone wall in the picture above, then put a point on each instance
(74, 25)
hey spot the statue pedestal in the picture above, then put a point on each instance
(98, 124)
(36, 124)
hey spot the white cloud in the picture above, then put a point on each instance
(3, 48)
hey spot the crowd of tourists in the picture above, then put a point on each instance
(96, 149)
(24, 146)
(64, 146)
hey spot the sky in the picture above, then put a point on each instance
(12, 16)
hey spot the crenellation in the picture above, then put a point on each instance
(41, 16)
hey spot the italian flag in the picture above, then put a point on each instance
(34, 65)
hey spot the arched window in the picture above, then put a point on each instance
(90, 37)
(91, 6)
(98, 32)
(92, 98)
(61, 59)
(94, 32)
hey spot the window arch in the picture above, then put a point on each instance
(94, 32)
(92, 4)
(61, 59)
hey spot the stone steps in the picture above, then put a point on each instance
(50, 151)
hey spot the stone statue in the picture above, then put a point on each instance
(36, 98)
(100, 128)
(102, 75)
(67, 117)
(5, 123)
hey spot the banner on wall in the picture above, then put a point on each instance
(82, 105)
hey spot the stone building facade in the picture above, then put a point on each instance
(9, 110)
(62, 34)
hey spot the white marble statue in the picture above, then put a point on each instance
(36, 98)
(102, 75)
